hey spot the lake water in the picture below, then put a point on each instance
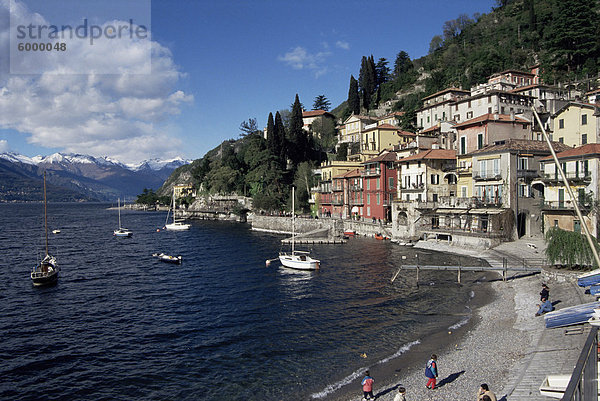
(122, 325)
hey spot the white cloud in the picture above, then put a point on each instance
(4, 146)
(299, 58)
(122, 115)
(342, 45)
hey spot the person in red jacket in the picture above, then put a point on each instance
(431, 372)
(367, 385)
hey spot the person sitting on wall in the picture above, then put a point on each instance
(546, 306)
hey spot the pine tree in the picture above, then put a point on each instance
(382, 71)
(298, 139)
(353, 99)
(367, 80)
(321, 103)
(403, 63)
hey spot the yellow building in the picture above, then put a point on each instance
(575, 124)
(464, 184)
(378, 138)
(353, 126)
(183, 190)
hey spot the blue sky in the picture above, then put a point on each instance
(214, 65)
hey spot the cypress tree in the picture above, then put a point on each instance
(298, 139)
(271, 139)
(280, 141)
(363, 82)
(353, 99)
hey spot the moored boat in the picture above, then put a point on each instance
(121, 232)
(175, 225)
(168, 258)
(46, 272)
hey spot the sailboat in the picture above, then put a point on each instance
(176, 225)
(121, 232)
(46, 272)
(300, 260)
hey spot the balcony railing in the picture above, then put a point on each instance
(486, 175)
(571, 176)
(522, 173)
(371, 172)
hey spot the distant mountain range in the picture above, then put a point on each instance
(75, 177)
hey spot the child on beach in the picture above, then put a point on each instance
(484, 391)
(367, 384)
(431, 372)
(401, 396)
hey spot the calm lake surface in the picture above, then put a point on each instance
(221, 326)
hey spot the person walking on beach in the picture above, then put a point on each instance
(367, 385)
(484, 391)
(545, 293)
(401, 396)
(431, 372)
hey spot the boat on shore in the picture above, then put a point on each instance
(46, 272)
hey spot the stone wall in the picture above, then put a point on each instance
(336, 227)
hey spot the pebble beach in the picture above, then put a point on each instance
(491, 348)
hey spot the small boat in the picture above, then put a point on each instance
(350, 233)
(380, 237)
(176, 225)
(572, 315)
(554, 386)
(121, 232)
(595, 289)
(589, 278)
(299, 260)
(46, 272)
(168, 258)
(55, 231)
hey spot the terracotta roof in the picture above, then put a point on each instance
(524, 88)
(351, 173)
(589, 149)
(524, 145)
(432, 154)
(592, 92)
(394, 114)
(386, 157)
(314, 113)
(502, 118)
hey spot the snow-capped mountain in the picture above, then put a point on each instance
(102, 178)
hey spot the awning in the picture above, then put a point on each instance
(355, 209)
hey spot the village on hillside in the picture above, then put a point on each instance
(478, 171)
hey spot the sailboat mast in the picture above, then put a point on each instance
(174, 205)
(293, 220)
(119, 207)
(45, 215)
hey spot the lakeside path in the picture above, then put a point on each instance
(507, 347)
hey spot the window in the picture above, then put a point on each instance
(469, 104)
(377, 182)
(561, 123)
(391, 182)
(368, 199)
(584, 119)
(378, 198)
(435, 179)
(502, 110)
(490, 101)
(489, 110)
(556, 223)
(368, 184)
(561, 140)
(463, 192)
(463, 145)
(435, 197)
(368, 210)
(469, 114)
(427, 119)
(444, 116)
(583, 139)
(479, 141)
(523, 163)
(436, 117)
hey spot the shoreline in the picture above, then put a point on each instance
(487, 349)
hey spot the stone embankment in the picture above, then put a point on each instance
(335, 227)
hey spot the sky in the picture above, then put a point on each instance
(202, 69)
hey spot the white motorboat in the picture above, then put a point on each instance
(121, 232)
(168, 258)
(300, 260)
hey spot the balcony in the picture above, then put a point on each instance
(371, 172)
(449, 167)
(563, 205)
(413, 187)
(523, 173)
(486, 175)
(573, 177)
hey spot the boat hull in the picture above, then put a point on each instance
(177, 227)
(122, 233)
(299, 262)
(46, 273)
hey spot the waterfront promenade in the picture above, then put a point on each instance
(507, 346)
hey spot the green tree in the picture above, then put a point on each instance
(272, 141)
(297, 136)
(353, 99)
(402, 64)
(382, 71)
(324, 134)
(321, 103)
(281, 141)
(435, 44)
(304, 180)
(367, 81)
(342, 152)
(248, 127)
